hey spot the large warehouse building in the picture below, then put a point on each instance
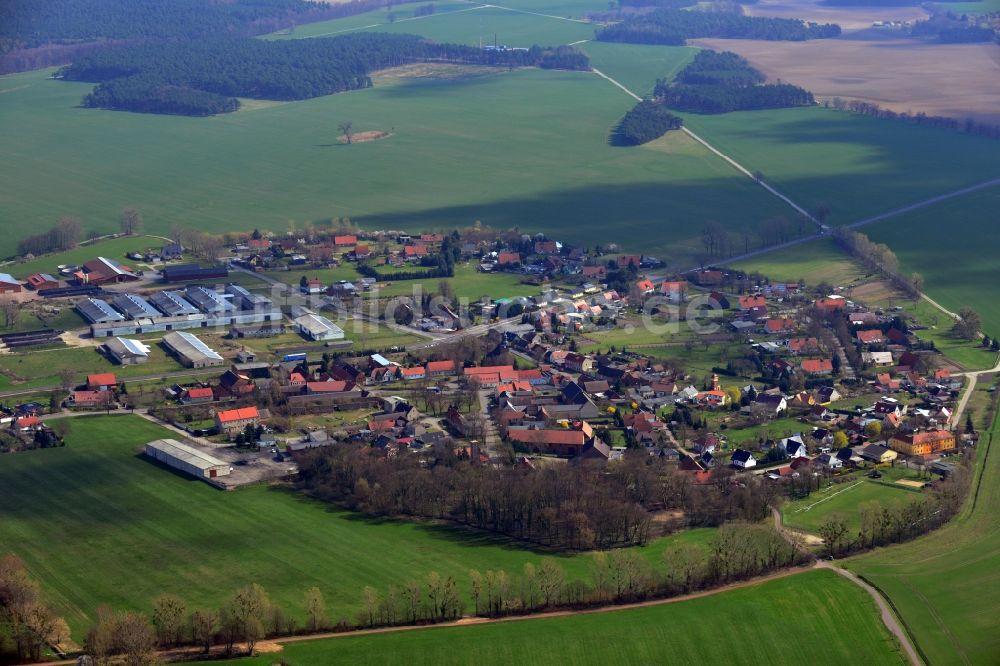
(190, 350)
(316, 327)
(186, 458)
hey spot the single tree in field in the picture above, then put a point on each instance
(967, 326)
(345, 128)
(315, 609)
(130, 221)
(169, 612)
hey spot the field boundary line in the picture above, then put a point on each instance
(829, 497)
(551, 16)
(404, 20)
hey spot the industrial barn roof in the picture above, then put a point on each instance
(188, 454)
(173, 303)
(122, 346)
(190, 346)
(136, 307)
(97, 311)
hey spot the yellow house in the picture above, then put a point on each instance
(923, 443)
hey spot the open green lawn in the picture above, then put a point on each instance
(834, 623)
(112, 248)
(96, 508)
(775, 429)
(953, 246)
(468, 283)
(42, 368)
(844, 498)
(855, 166)
(945, 585)
(482, 132)
(814, 262)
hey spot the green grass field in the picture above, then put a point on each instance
(814, 262)
(966, 279)
(945, 585)
(638, 66)
(845, 498)
(96, 508)
(43, 367)
(291, 171)
(834, 623)
(855, 166)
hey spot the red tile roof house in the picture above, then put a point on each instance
(673, 291)
(820, 366)
(91, 399)
(26, 423)
(645, 286)
(594, 271)
(102, 382)
(362, 252)
(196, 395)
(440, 368)
(232, 421)
(343, 241)
(491, 376)
(560, 442)
(414, 251)
(803, 345)
(749, 301)
(259, 243)
(775, 326)
(870, 337)
(546, 247)
(509, 258)
(417, 372)
(830, 304)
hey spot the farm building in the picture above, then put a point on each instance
(38, 281)
(103, 381)
(98, 312)
(315, 327)
(190, 350)
(173, 303)
(127, 352)
(232, 421)
(245, 300)
(186, 459)
(186, 272)
(8, 285)
(134, 307)
(103, 270)
(208, 301)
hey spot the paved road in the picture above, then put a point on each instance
(923, 204)
(888, 617)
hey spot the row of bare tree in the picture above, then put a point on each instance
(246, 617)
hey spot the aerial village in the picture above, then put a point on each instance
(564, 355)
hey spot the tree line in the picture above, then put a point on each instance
(739, 550)
(34, 23)
(205, 77)
(64, 235)
(966, 126)
(950, 28)
(675, 26)
(880, 258)
(27, 624)
(568, 508)
(646, 121)
(723, 82)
